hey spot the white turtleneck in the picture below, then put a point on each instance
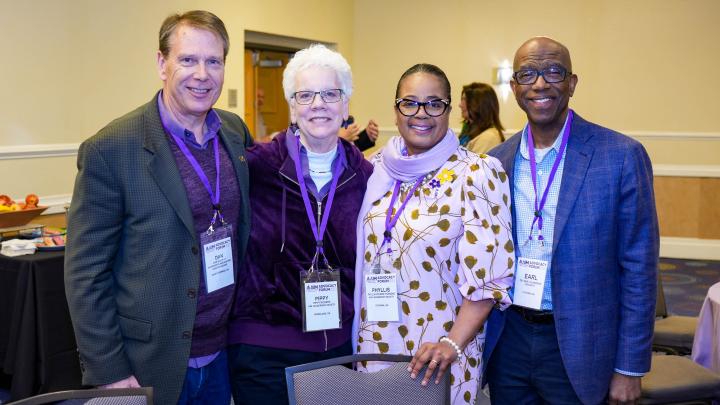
(320, 165)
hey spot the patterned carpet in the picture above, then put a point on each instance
(686, 283)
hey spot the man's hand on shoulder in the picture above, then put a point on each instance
(624, 389)
(130, 382)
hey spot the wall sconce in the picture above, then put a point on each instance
(501, 79)
(502, 75)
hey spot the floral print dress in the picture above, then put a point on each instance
(452, 241)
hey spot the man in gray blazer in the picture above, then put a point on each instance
(586, 237)
(158, 222)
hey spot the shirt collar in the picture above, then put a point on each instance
(555, 146)
(212, 123)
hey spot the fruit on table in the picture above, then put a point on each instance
(31, 201)
(7, 203)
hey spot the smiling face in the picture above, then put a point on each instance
(421, 132)
(193, 73)
(318, 121)
(546, 104)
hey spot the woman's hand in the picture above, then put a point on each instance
(438, 356)
(350, 134)
(372, 130)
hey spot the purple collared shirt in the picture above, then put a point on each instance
(212, 125)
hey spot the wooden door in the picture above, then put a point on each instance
(265, 74)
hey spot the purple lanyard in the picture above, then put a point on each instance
(391, 220)
(533, 173)
(214, 197)
(317, 232)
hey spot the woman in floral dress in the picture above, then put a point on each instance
(435, 249)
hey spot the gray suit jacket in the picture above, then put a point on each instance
(605, 254)
(132, 254)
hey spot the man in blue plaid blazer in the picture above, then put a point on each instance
(584, 217)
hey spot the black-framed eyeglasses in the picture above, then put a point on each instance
(306, 97)
(433, 108)
(551, 74)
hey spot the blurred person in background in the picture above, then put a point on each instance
(480, 110)
(365, 139)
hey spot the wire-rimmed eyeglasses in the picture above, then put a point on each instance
(307, 97)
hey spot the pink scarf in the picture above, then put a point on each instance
(393, 166)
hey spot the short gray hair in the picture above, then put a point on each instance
(317, 55)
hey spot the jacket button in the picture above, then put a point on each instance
(186, 335)
(191, 293)
(194, 250)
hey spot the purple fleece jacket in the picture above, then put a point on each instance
(267, 310)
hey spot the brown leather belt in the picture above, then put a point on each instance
(533, 316)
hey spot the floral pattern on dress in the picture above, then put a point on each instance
(452, 241)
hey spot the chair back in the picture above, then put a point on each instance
(678, 380)
(660, 307)
(97, 396)
(329, 382)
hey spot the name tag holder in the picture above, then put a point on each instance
(381, 290)
(529, 282)
(217, 254)
(321, 305)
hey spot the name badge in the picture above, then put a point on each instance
(321, 301)
(381, 297)
(529, 282)
(217, 256)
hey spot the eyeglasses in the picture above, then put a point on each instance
(410, 108)
(551, 74)
(307, 97)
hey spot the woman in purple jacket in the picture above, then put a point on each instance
(294, 297)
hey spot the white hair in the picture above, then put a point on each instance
(317, 55)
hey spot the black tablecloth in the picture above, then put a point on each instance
(37, 343)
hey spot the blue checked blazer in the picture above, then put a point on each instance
(132, 262)
(604, 262)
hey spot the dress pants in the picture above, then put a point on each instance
(257, 374)
(526, 367)
(207, 385)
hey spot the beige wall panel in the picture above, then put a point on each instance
(678, 205)
(44, 177)
(635, 60)
(709, 221)
(683, 152)
(687, 207)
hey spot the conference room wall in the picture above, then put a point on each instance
(72, 66)
(642, 65)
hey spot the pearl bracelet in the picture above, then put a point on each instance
(453, 344)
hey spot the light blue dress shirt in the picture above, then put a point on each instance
(524, 200)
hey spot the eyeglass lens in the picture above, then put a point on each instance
(410, 108)
(328, 96)
(552, 74)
